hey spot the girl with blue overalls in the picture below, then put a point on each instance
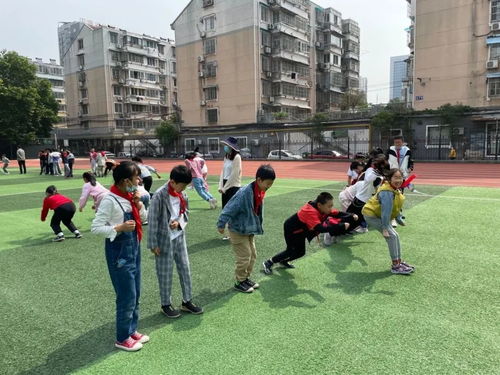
(119, 219)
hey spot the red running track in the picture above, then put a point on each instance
(449, 174)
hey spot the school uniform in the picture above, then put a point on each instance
(165, 208)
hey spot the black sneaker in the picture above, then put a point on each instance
(243, 287)
(285, 264)
(78, 235)
(58, 239)
(191, 307)
(252, 284)
(268, 267)
(170, 312)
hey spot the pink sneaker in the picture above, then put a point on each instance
(140, 337)
(129, 345)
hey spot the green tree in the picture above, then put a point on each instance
(352, 99)
(167, 133)
(28, 108)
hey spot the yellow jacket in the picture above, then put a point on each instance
(374, 208)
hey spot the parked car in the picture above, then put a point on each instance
(124, 155)
(109, 154)
(327, 154)
(207, 156)
(245, 153)
(283, 155)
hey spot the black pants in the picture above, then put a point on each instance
(295, 246)
(22, 166)
(70, 164)
(355, 208)
(63, 213)
(226, 197)
(42, 166)
(108, 169)
(148, 182)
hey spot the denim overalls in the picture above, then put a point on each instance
(123, 256)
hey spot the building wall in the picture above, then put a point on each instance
(450, 60)
(398, 74)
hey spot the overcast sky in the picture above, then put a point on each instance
(30, 27)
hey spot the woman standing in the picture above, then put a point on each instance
(230, 176)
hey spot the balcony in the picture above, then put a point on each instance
(332, 27)
(288, 101)
(282, 27)
(299, 7)
(292, 55)
(351, 55)
(291, 77)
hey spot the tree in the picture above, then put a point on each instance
(448, 116)
(352, 99)
(167, 133)
(317, 129)
(28, 108)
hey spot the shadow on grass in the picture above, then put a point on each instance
(280, 290)
(210, 244)
(46, 239)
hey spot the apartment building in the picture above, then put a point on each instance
(456, 52)
(248, 61)
(53, 72)
(118, 83)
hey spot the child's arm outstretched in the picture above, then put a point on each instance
(85, 196)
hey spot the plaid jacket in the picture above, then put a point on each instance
(159, 216)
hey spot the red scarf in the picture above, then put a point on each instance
(173, 193)
(135, 210)
(258, 197)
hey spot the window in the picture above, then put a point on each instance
(152, 61)
(437, 135)
(155, 109)
(209, 46)
(113, 37)
(85, 109)
(265, 14)
(266, 64)
(266, 38)
(207, 3)
(137, 108)
(213, 145)
(494, 51)
(209, 23)
(493, 87)
(80, 43)
(335, 41)
(118, 107)
(211, 69)
(58, 95)
(84, 124)
(210, 93)
(81, 60)
(151, 77)
(174, 67)
(134, 40)
(212, 115)
(83, 93)
(135, 91)
(189, 144)
(132, 57)
(153, 93)
(161, 49)
(242, 142)
(117, 90)
(174, 80)
(266, 88)
(150, 43)
(336, 60)
(162, 64)
(495, 10)
(116, 73)
(114, 56)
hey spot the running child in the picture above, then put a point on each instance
(91, 188)
(313, 218)
(119, 219)
(244, 216)
(5, 162)
(167, 220)
(381, 209)
(195, 165)
(64, 210)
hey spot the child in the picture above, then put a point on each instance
(64, 210)
(355, 169)
(5, 162)
(381, 209)
(119, 219)
(244, 216)
(101, 163)
(92, 188)
(146, 171)
(195, 165)
(311, 220)
(167, 218)
(110, 165)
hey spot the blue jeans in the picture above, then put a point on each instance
(123, 256)
(199, 185)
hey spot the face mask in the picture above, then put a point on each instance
(227, 149)
(131, 189)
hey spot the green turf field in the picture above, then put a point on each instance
(339, 312)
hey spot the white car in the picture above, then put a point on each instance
(283, 155)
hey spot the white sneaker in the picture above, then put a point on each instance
(329, 239)
(361, 230)
(394, 223)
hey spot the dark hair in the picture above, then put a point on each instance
(197, 149)
(124, 170)
(232, 154)
(191, 155)
(324, 197)
(89, 176)
(381, 164)
(51, 190)
(398, 137)
(181, 174)
(354, 165)
(265, 172)
(390, 173)
(137, 159)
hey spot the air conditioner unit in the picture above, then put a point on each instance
(492, 64)
(269, 74)
(255, 142)
(207, 3)
(201, 74)
(267, 50)
(80, 84)
(79, 114)
(201, 58)
(271, 99)
(203, 34)
(495, 26)
(81, 101)
(118, 63)
(294, 75)
(81, 67)
(318, 44)
(203, 103)
(120, 99)
(121, 81)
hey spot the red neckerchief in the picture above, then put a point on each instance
(173, 193)
(135, 211)
(258, 197)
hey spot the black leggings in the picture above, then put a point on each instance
(148, 182)
(355, 208)
(63, 213)
(226, 197)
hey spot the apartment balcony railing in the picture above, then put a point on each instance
(299, 7)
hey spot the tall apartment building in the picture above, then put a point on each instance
(241, 61)
(456, 53)
(407, 84)
(398, 74)
(53, 72)
(118, 83)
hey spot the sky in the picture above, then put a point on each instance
(29, 27)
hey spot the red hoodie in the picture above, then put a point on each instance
(52, 202)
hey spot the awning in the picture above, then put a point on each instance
(493, 75)
(493, 40)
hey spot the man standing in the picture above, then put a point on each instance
(21, 160)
